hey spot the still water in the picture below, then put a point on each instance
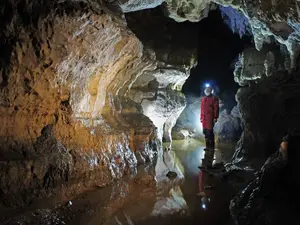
(149, 197)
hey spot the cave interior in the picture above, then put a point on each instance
(96, 94)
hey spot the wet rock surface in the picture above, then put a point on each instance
(228, 127)
(70, 119)
(262, 131)
(270, 197)
(188, 124)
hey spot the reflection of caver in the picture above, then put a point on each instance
(209, 115)
(205, 181)
(207, 161)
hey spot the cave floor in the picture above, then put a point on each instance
(132, 202)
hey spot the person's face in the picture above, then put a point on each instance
(208, 91)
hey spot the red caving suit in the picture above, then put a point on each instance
(209, 111)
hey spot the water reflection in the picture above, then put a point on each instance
(169, 197)
(150, 196)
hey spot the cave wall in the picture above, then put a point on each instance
(76, 100)
(84, 101)
(264, 72)
(274, 26)
(268, 103)
(174, 46)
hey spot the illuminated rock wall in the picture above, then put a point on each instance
(74, 110)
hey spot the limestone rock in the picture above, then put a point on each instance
(228, 126)
(158, 91)
(236, 20)
(267, 20)
(70, 114)
(189, 119)
(136, 5)
(253, 65)
(268, 110)
(271, 194)
(192, 11)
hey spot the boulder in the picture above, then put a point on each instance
(228, 126)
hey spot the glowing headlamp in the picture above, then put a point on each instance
(207, 85)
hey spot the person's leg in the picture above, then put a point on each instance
(209, 138)
(205, 132)
(212, 140)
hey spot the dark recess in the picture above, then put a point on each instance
(218, 48)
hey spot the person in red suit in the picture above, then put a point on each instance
(209, 115)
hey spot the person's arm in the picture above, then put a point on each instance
(216, 108)
(202, 110)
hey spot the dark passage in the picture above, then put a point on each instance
(218, 48)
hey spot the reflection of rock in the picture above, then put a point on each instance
(167, 162)
(173, 203)
(228, 126)
(125, 201)
(168, 191)
(171, 175)
(179, 134)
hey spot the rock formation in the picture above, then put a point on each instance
(78, 92)
(270, 197)
(228, 128)
(188, 123)
(261, 70)
(268, 20)
(84, 100)
(269, 73)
